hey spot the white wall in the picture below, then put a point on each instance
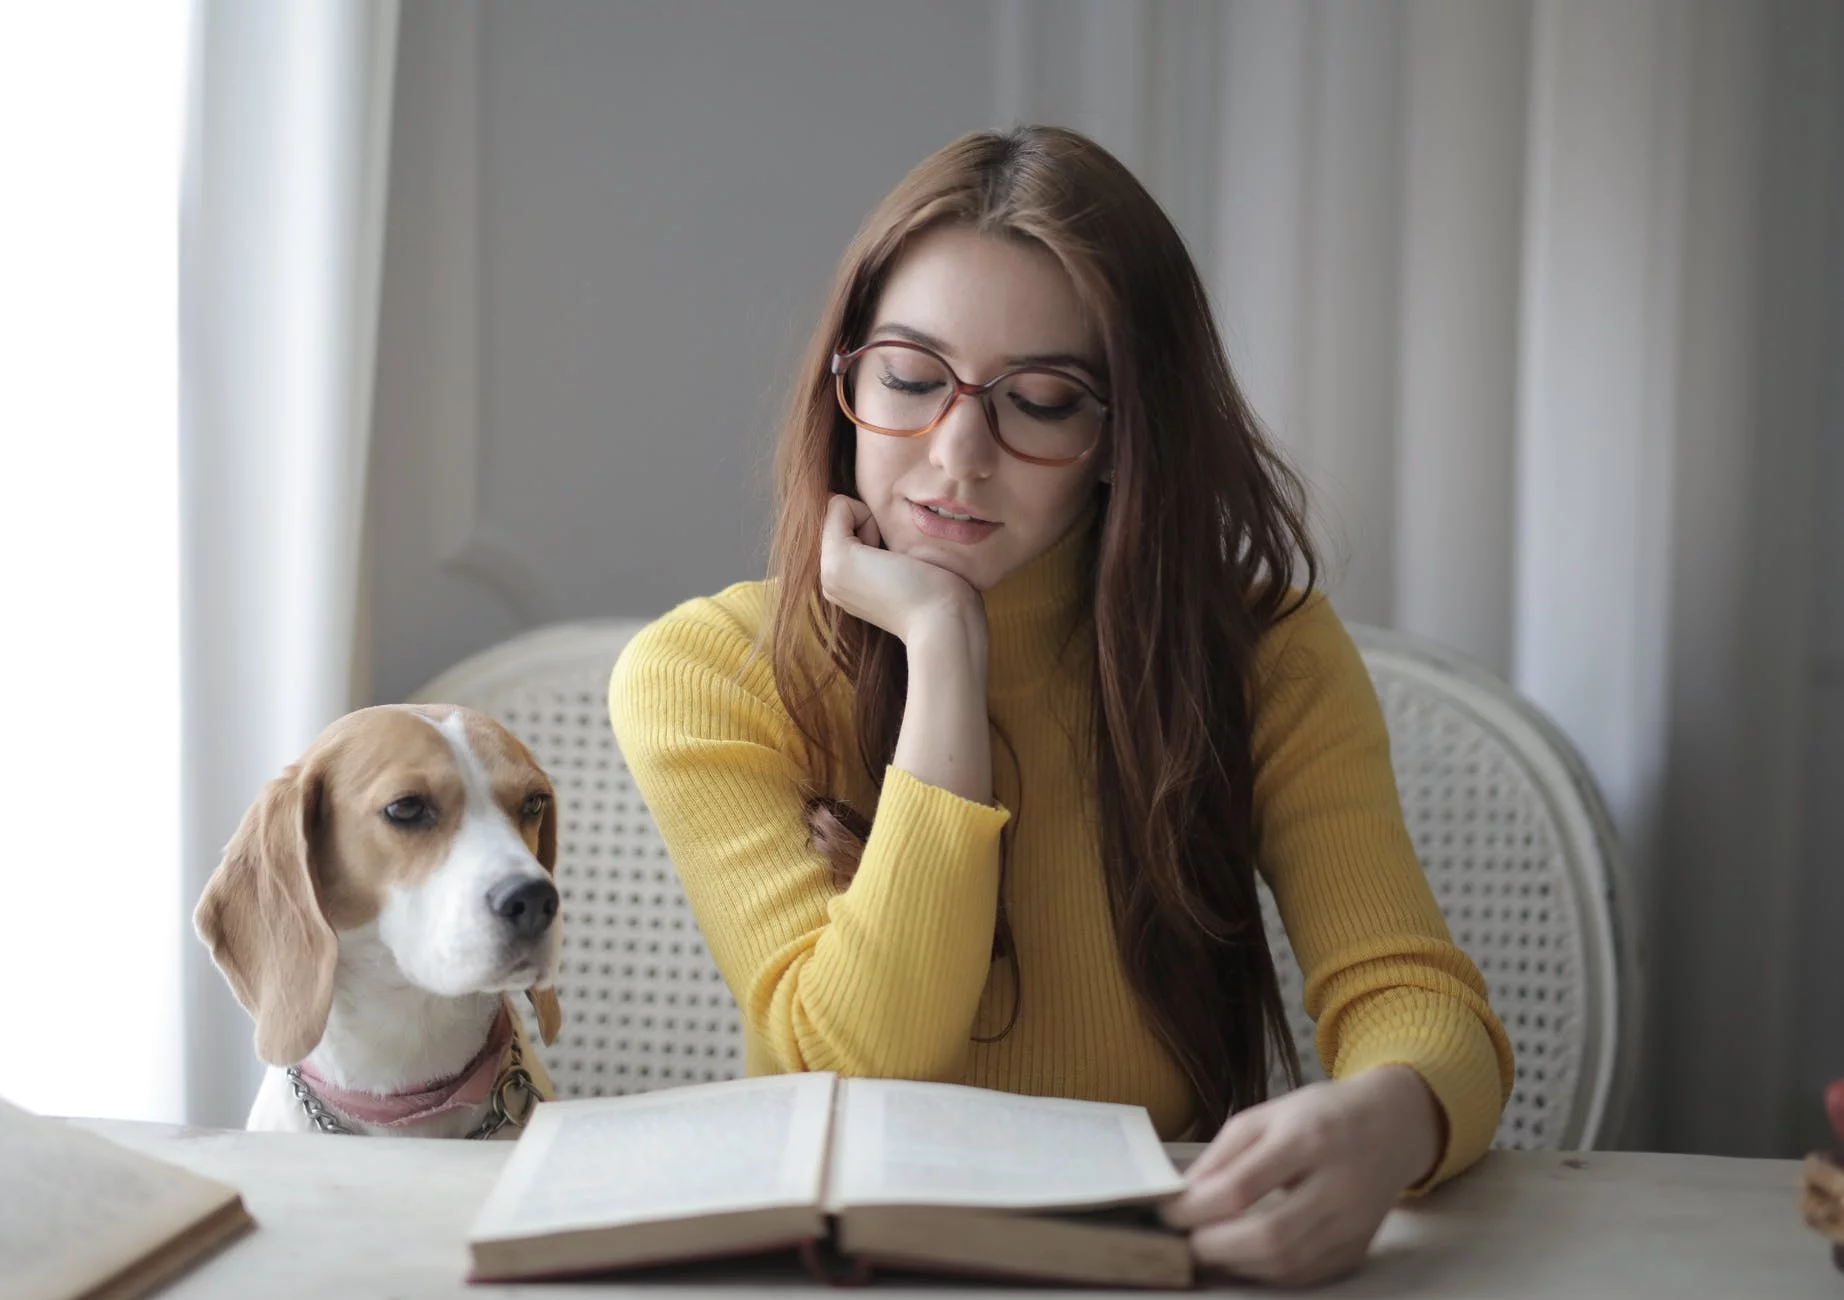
(1819, 980)
(612, 228)
(1757, 337)
(1543, 295)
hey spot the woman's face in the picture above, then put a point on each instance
(985, 305)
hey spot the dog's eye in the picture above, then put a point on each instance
(535, 805)
(411, 810)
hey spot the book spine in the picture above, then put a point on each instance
(827, 1264)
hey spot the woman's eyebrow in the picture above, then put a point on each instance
(929, 341)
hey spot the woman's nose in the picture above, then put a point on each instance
(962, 446)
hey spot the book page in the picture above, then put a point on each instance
(742, 1145)
(76, 1208)
(902, 1143)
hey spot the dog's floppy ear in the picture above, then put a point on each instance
(261, 919)
(544, 1000)
(549, 1010)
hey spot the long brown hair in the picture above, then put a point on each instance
(1194, 555)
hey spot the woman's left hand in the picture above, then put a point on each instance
(1335, 1157)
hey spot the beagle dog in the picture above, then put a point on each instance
(375, 907)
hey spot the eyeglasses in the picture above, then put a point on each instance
(904, 390)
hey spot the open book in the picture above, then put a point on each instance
(83, 1218)
(855, 1173)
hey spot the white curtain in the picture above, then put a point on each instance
(286, 163)
(89, 776)
(1545, 297)
(1555, 351)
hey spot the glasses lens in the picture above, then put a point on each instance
(1041, 413)
(897, 388)
(1046, 414)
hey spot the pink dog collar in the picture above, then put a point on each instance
(472, 1086)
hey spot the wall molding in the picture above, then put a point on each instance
(464, 543)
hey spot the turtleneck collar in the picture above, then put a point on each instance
(1033, 612)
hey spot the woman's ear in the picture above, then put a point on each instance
(261, 919)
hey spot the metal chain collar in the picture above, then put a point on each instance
(513, 1080)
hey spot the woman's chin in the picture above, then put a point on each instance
(946, 557)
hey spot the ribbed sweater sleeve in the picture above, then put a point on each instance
(881, 978)
(1384, 981)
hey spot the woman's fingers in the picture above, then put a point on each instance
(838, 536)
(1240, 1132)
(849, 520)
(844, 516)
(1302, 1202)
(1270, 1164)
(883, 588)
(1304, 1236)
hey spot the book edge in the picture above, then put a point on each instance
(178, 1255)
(586, 1252)
(1175, 1274)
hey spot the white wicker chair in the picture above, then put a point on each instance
(1519, 850)
(1507, 823)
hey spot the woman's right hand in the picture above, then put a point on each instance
(941, 621)
(903, 596)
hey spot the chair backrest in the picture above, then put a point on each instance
(1507, 823)
(1519, 851)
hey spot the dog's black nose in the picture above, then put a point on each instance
(529, 906)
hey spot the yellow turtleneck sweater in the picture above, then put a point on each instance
(894, 976)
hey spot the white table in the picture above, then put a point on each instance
(384, 1217)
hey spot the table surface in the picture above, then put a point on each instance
(388, 1217)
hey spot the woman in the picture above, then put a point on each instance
(976, 786)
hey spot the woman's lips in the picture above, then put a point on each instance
(931, 524)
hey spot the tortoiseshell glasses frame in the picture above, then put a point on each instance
(842, 363)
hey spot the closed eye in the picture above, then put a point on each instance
(916, 386)
(1061, 411)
